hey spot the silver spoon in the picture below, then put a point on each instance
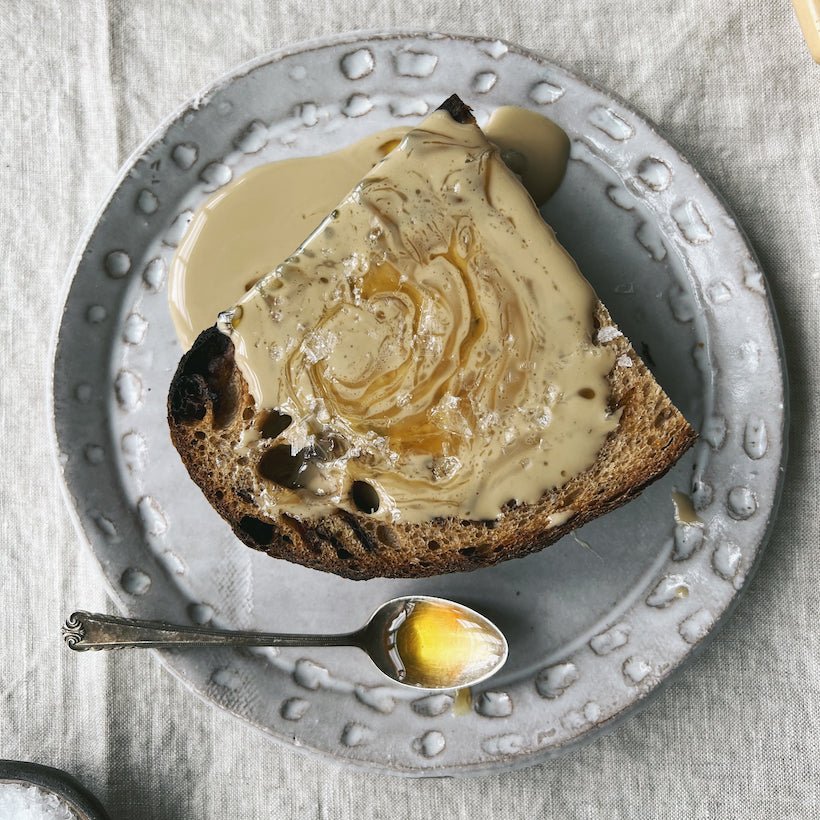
(418, 640)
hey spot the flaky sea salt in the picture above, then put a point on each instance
(24, 802)
(608, 333)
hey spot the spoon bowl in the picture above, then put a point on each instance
(433, 643)
(417, 640)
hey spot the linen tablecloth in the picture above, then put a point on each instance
(730, 84)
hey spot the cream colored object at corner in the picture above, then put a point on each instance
(808, 15)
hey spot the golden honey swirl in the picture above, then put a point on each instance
(417, 362)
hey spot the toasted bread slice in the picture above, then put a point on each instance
(211, 412)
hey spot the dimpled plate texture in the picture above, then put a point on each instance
(597, 622)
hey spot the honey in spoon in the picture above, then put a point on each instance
(437, 644)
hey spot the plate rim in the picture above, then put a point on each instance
(361, 37)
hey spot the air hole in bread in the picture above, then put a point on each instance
(343, 553)
(274, 424)
(200, 434)
(225, 405)
(260, 531)
(433, 545)
(467, 552)
(663, 417)
(364, 496)
(387, 536)
(284, 468)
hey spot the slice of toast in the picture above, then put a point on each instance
(211, 412)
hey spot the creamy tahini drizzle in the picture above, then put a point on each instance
(245, 230)
(433, 325)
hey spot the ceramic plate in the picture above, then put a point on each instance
(597, 622)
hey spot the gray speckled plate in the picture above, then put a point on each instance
(597, 622)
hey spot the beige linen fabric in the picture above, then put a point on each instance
(81, 85)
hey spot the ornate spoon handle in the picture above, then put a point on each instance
(86, 630)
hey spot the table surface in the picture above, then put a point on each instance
(732, 85)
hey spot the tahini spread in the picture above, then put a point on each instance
(427, 351)
(245, 230)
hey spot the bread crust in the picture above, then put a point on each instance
(210, 408)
